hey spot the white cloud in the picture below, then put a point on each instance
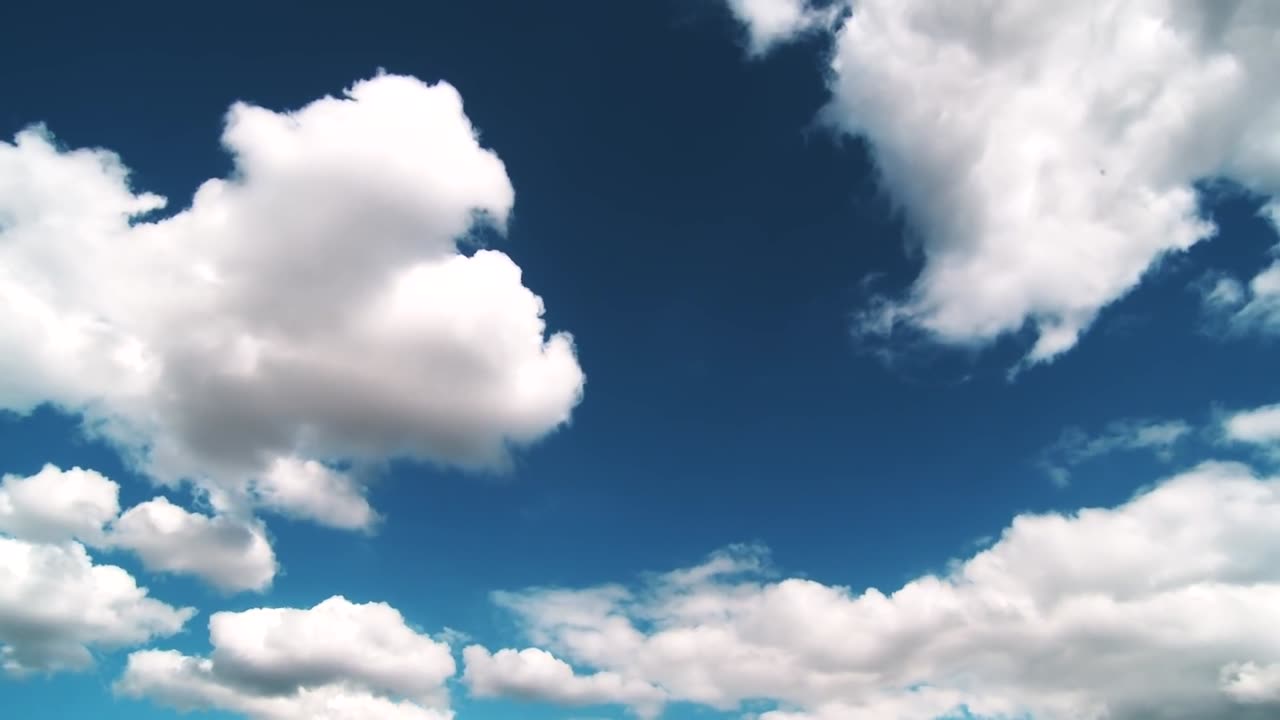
(1181, 582)
(1075, 446)
(1259, 426)
(335, 661)
(313, 307)
(770, 22)
(56, 606)
(309, 489)
(230, 554)
(1252, 684)
(1046, 151)
(534, 674)
(188, 683)
(55, 505)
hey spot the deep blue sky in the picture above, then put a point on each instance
(683, 214)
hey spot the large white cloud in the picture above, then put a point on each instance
(1045, 152)
(230, 554)
(310, 489)
(56, 605)
(335, 661)
(1167, 606)
(535, 674)
(313, 307)
(55, 505)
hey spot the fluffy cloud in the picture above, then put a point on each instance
(1050, 621)
(315, 307)
(309, 489)
(534, 674)
(55, 505)
(1075, 446)
(769, 22)
(55, 605)
(1259, 426)
(1030, 145)
(230, 554)
(335, 661)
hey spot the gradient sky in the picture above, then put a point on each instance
(694, 204)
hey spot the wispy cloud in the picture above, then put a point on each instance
(1076, 446)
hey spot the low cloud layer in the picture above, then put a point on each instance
(314, 307)
(1183, 582)
(227, 553)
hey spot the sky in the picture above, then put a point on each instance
(689, 359)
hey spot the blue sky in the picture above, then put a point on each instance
(851, 290)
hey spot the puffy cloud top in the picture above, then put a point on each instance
(336, 661)
(315, 306)
(55, 504)
(56, 604)
(1046, 152)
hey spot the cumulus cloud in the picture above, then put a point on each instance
(770, 22)
(56, 605)
(336, 661)
(55, 505)
(1182, 581)
(534, 674)
(311, 490)
(230, 554)
(1259, 426)
(1046, 152)
(1075, 446)
(314, 307)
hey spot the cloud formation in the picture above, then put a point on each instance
(770, 22)
(317, 306)
(55, 505)
(56, 605)
(1050, 621)
(1046, 153)
(230, 554)
(1258, 426)
(336, 661)
(537, 675)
